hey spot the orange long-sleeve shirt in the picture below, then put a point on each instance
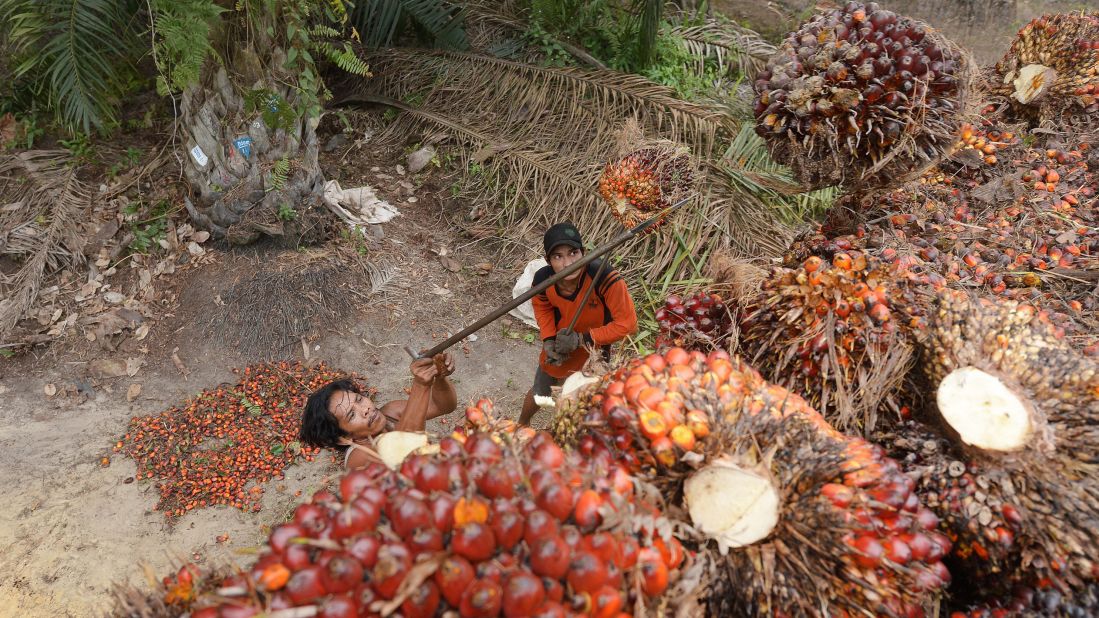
(606, 318)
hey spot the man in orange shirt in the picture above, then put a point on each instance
(607, 317)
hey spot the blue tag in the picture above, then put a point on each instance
(244, 146)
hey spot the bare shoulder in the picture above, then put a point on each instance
(359, 458)
(394, 409)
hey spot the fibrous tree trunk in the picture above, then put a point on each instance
(250, 154)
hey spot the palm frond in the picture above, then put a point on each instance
(379, 21)
(43, 205)
(649, 14)
(498, 28)
(73, 49)
(735, 49)
(541, 136)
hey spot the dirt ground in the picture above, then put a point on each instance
(71, 528)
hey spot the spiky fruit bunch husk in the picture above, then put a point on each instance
(646, 181)
(862, 96)
(1013, 465)
(699, 321)
(1053, 67)
(479, 529)
(1028, 602)
(844, 533)
(1032, 234)
(835, 332)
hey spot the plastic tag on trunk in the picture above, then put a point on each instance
(199, 156)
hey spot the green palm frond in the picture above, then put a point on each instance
(379, 21)
(73, 50)
(733, 48)
(649, 14)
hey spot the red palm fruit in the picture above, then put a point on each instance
(352, 484)
(839, 495)
(375, 495)
(354, 519)
(606, 602)
(869, 552)
(541, 477)
(549, 454)
(572, 537)
(481, 446)
(306, 585)
(499, 482)
(474, 541)
(555, 590)
(671, 552)
(482, 599)
(587, 573)
(442, 511)
(664, 451)
(432, 476)
(698, 422)
(274, 576)
(311, 518)
(550, 609)
(628, 552)
(586, 514)
(407, 513)
(236, 610)
(897, 551)
(539, 525)
(341, 574)
(365, 550)
(297, 557)
(603, 545)
(394, 561)
(654, 572)
(507, 527)
(339, 606)
(549, 557)
(425, 541)
(422, 602)
(556, 499)
(523, 594)
(653, 424)
(470, 510)
(453, 577)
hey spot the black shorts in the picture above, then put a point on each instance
(543, 381)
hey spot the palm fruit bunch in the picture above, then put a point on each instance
(861, 95)
(481, 417)
(1052, 67)
(476, 530)
(1008, 454)
(646, 181)
(835, 332)
(1031, 602)
(796, 518)
(700, 320)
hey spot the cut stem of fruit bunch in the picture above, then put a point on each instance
(735, 505)
(983, 410)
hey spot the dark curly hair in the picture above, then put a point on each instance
(318, 426)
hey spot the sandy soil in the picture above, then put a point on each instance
(71, 528)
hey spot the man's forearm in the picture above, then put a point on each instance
(414, 417)
(443, 398)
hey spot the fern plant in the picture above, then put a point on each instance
(181, 33)
(75, 55)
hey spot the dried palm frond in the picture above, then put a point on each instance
(539, 138)
(42, 206)
(735, 49)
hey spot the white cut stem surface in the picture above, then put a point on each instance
(732, 505)
(1033, 81)
(983, 410)
(394, 446)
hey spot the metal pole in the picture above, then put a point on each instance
(538, 289)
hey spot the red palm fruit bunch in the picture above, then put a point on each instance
(701, 320)
(221, 446)
(646, 181)
(836, 333)
(1010, 465)
(476, 530)
(1052, 67)
(861, 95)
(481, 417)
(806, 520)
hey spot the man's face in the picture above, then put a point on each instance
(356, 414)
(562, 256)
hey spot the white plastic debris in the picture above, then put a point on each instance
(525, 311)
(359, 206)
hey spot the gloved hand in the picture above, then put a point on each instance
(553, 357)
(567, 342)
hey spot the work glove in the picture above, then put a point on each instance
(553, 357)
(567, 342)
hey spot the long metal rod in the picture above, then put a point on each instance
(538, 289)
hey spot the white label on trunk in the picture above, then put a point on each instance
(199, 156)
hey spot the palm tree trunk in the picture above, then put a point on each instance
(250, 156)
